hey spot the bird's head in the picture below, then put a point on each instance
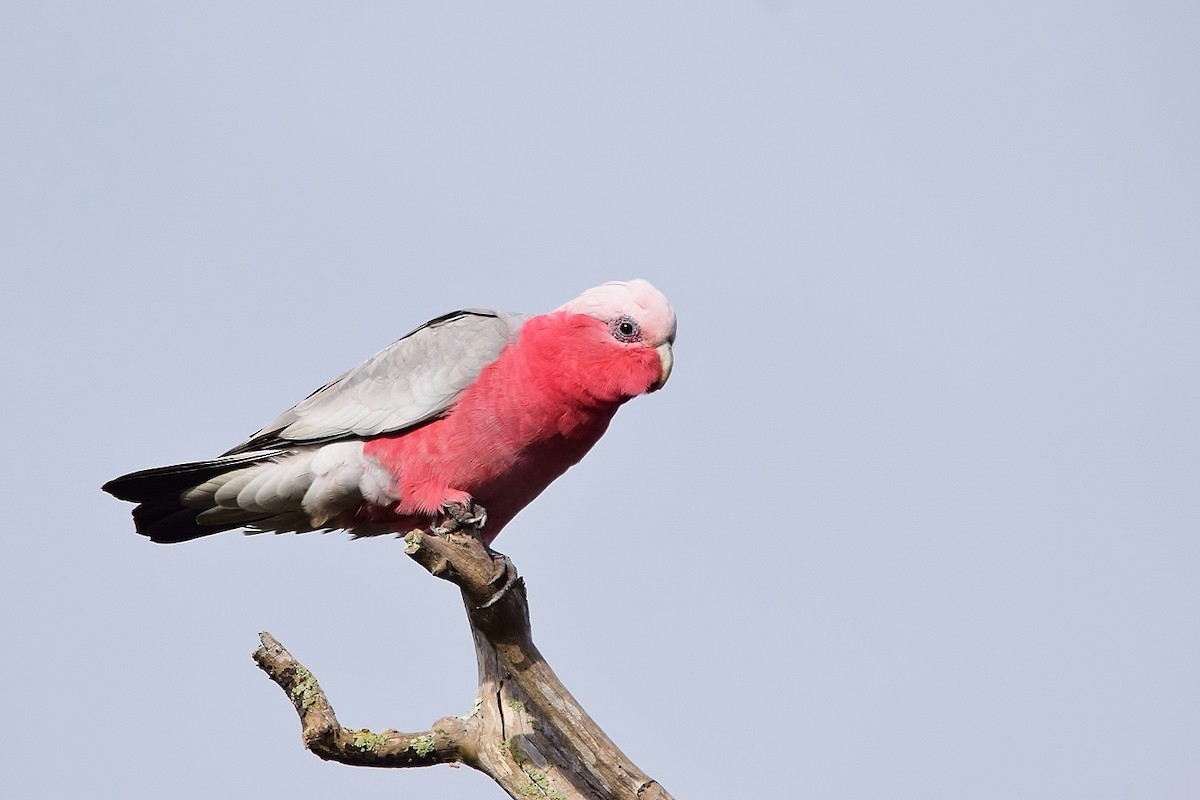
(623, 332)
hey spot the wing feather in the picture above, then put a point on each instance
(411, 381)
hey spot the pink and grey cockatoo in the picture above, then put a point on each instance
(475, 411)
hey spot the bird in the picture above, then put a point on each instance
(463, 421)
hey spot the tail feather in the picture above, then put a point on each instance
(161, 514)
(147, 484)
(285, 490)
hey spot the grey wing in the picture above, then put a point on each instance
(411, 381)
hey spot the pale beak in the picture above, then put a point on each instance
(664, 355)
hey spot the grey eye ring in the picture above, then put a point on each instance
(625, 329)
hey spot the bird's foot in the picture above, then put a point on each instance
(470, 518)
(505, 577)
(460, 516)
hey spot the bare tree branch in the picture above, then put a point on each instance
(324, 735)
(526, 731)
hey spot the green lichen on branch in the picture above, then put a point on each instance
(539, 786)
(519, 707)
(423, 745)
(369, 742)
(306, 690)
(509, 748)
(474, 712)
(412, 542)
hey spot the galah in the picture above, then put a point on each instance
(466, 419)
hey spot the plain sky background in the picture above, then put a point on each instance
(916, 517)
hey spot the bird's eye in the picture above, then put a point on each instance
(625, 329)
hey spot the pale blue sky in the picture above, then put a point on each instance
(916, 516)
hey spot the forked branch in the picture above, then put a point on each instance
(526, 731)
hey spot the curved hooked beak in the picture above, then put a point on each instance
(667, 359)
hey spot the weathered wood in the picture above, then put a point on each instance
(525, 731)
(324, 735)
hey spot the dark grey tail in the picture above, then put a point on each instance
(160, 514)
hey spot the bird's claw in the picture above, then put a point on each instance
(506, 573)
(457, 516)
(470, 517)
